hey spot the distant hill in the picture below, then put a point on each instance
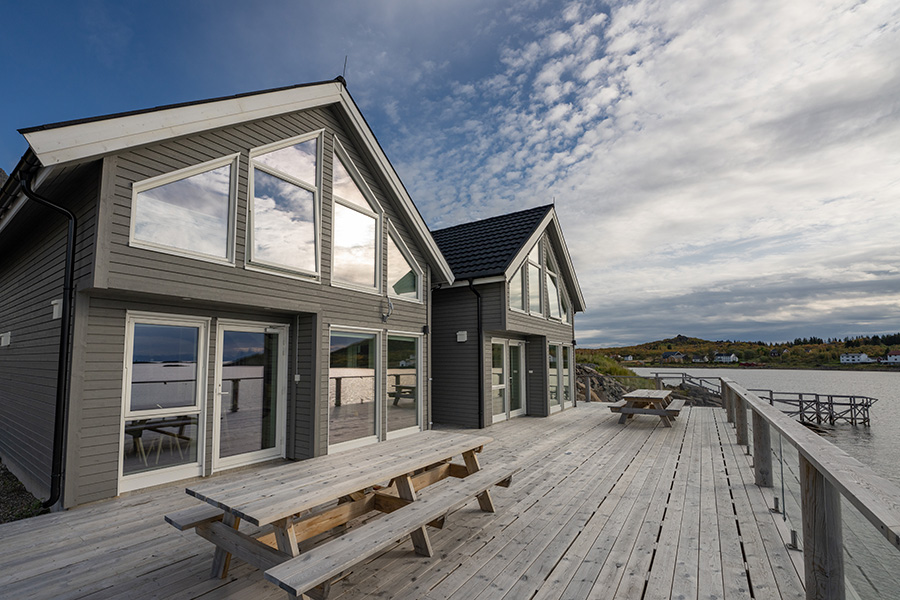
(802, 352)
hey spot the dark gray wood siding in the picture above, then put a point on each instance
(536, 380)
(33, 250)
(455, 371)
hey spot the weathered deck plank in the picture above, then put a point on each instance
(598, 510)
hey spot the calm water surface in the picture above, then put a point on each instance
(877, 446)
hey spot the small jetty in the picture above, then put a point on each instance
(808, 408)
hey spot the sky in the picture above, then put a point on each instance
(721, 169)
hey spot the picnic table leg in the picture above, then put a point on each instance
(420, 540)
(285, 537)
(472, 466)
(222, 558)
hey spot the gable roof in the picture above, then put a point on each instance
(73, 142)
(497, 246)
(486, 248)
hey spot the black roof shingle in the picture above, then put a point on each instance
(485, 248)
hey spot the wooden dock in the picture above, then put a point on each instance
(598, 510)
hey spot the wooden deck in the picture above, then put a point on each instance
(598, 510)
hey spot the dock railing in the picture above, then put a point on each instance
(854, 552)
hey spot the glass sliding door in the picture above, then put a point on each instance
(498, 381)
(165, 388)
(352, 383)
(251, 388)
(566, 376)
(516, 378)
(404, 414)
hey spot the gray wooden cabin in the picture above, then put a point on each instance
(504, 331)
(251, 281)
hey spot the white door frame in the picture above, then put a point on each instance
(219, 463)
(522, 391)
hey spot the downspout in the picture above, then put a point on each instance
(480, 356)
(62, 379)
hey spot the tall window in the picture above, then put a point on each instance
(552, 285)
(355, 232)
(352, 379)
(190, 211)
(403, 391)
(284, 232)
(403, 275)
(164, 391)
(517, 290)
(535, 303)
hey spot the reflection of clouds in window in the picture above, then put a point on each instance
(298, 161)
(284, 230)
(344, 187)
(402, 277)
(516, 300)
(553, 293)
(354, 247)
(189, 214)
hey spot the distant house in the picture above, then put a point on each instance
(673, 357)
(893, 357)
(628, 357)
(700, 358)
(725, 357)
(774, 353)
(504, 332)
(855, 358)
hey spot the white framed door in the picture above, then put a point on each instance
(516, 385)
(499, 369)
(251, 393)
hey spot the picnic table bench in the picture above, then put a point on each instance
(412, 480)
(648, 402)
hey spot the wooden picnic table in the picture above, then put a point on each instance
(648, 402)
(303, 499)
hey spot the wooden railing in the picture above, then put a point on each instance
(826, 475)
(821, 408)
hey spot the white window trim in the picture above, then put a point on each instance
(160, 180)
(504, 386)
(559, 406)
(379, 385)
(127, 483)
(390, 435)
(540, 266)
(554, 273)
(253, 264)
(221, 464)
(523, 380)
(404, 250)
(375, 211)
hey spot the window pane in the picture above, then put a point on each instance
(402, 278)
(191, 214)
(565, 306)
(516, 297)
(534, 289)
(566, 380)
(249, 392)
(535, 254)
(152, 444)
(553, 294)
(164, 367)
(553, 375)
(354, 247)
(497, 377)
(284, 228)
(402, 383)
(344, 187)
(351, 413)
(297, 161)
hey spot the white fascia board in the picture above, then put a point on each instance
(568, 266)
(84, 141)
(480, 281)
(519, 258)
(375, 151)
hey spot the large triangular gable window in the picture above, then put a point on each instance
(188, 212)
(403, 274)
(356, 229)
(552, 284)
(284, 205)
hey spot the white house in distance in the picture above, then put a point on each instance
(855, 358)
(725, 357)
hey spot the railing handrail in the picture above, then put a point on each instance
(873, 496)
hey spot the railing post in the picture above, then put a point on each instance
(728, 401)
(740, 419)
(823, 558)
(762, 451)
